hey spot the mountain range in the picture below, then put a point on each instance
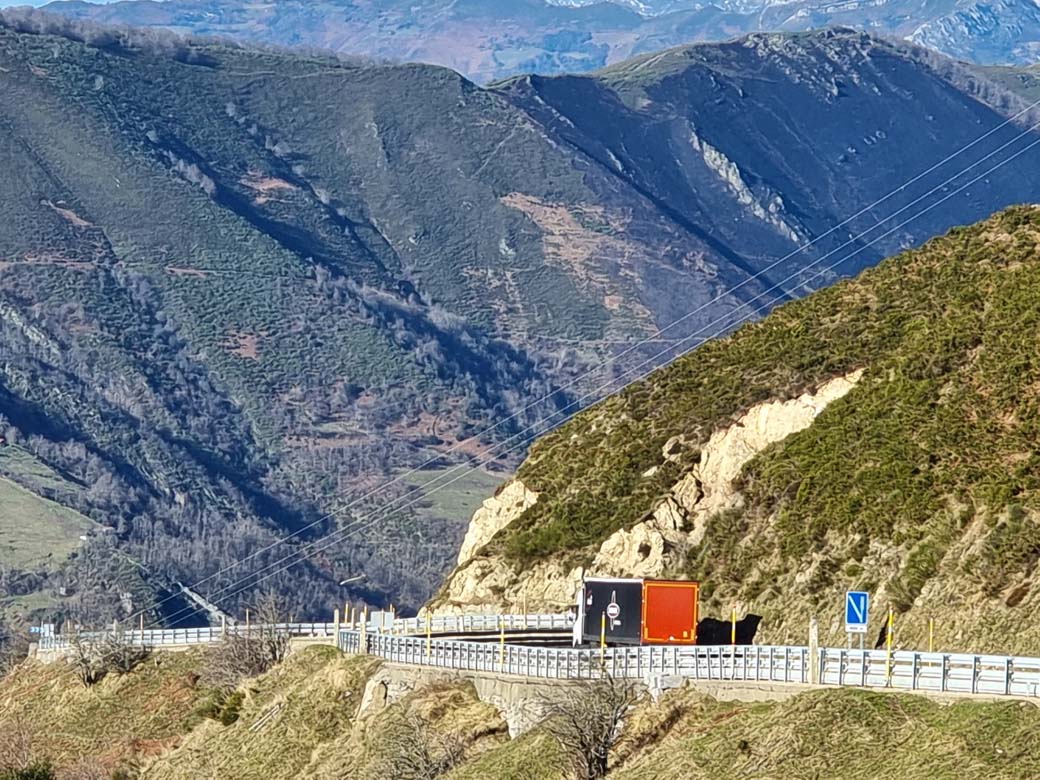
(244, 294)
(492, 40)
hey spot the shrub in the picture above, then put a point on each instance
(95, 657)
(586, 722)
(36, 771)
(248, 654)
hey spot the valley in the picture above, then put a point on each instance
(327, 381)
(246, 293)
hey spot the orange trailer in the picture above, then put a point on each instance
(670, 612)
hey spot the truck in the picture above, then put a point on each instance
(636, 611)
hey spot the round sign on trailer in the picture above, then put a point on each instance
(613, 610)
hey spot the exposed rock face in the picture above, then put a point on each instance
(490, 584)
(769, 211)
(649, 548)
(729, 450)
(495, 514)
(680, 520)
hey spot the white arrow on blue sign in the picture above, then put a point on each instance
(857, 607)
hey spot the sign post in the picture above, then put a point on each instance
(857, 610)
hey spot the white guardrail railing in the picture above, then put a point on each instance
(210, 635)
(405, 640)
(378, 623)
(904, 670)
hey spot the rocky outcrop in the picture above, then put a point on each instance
(729, 450)
(491, 584)
(768, 208)
(495, 514)
(650, 548)
(679, 522)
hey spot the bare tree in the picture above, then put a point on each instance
(418, 751)
(249, 653)
(85, 657)
(16, 747)
(121, 655)
(587, 720)
(95, 656)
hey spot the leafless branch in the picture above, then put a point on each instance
(251, 652)
(586, 721)
(418, 751)
(94, 657)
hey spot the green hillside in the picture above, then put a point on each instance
(244, 292)
(226, 289)
(920, 484)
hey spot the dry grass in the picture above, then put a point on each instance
(300, 721)
(155, 703)
(290, 716)
(848, 734)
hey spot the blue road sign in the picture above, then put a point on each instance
(857, 607)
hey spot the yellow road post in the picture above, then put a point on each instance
(888, 646)
(502, 643)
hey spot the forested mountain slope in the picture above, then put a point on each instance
(878, 435)
(238, 288)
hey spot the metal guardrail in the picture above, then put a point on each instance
(214, 634)
(761, 664)
(904, 670)
(188, 636)
(442, 624)
(995, 675)
(405, 641)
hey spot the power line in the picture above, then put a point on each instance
(458, 445)
(743, 318)
(331, 539)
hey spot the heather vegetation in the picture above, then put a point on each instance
(946, 334)
(922, 482)
(236, 381)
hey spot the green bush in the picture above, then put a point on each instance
(232, 708)
(223, 707)
(36, 771)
